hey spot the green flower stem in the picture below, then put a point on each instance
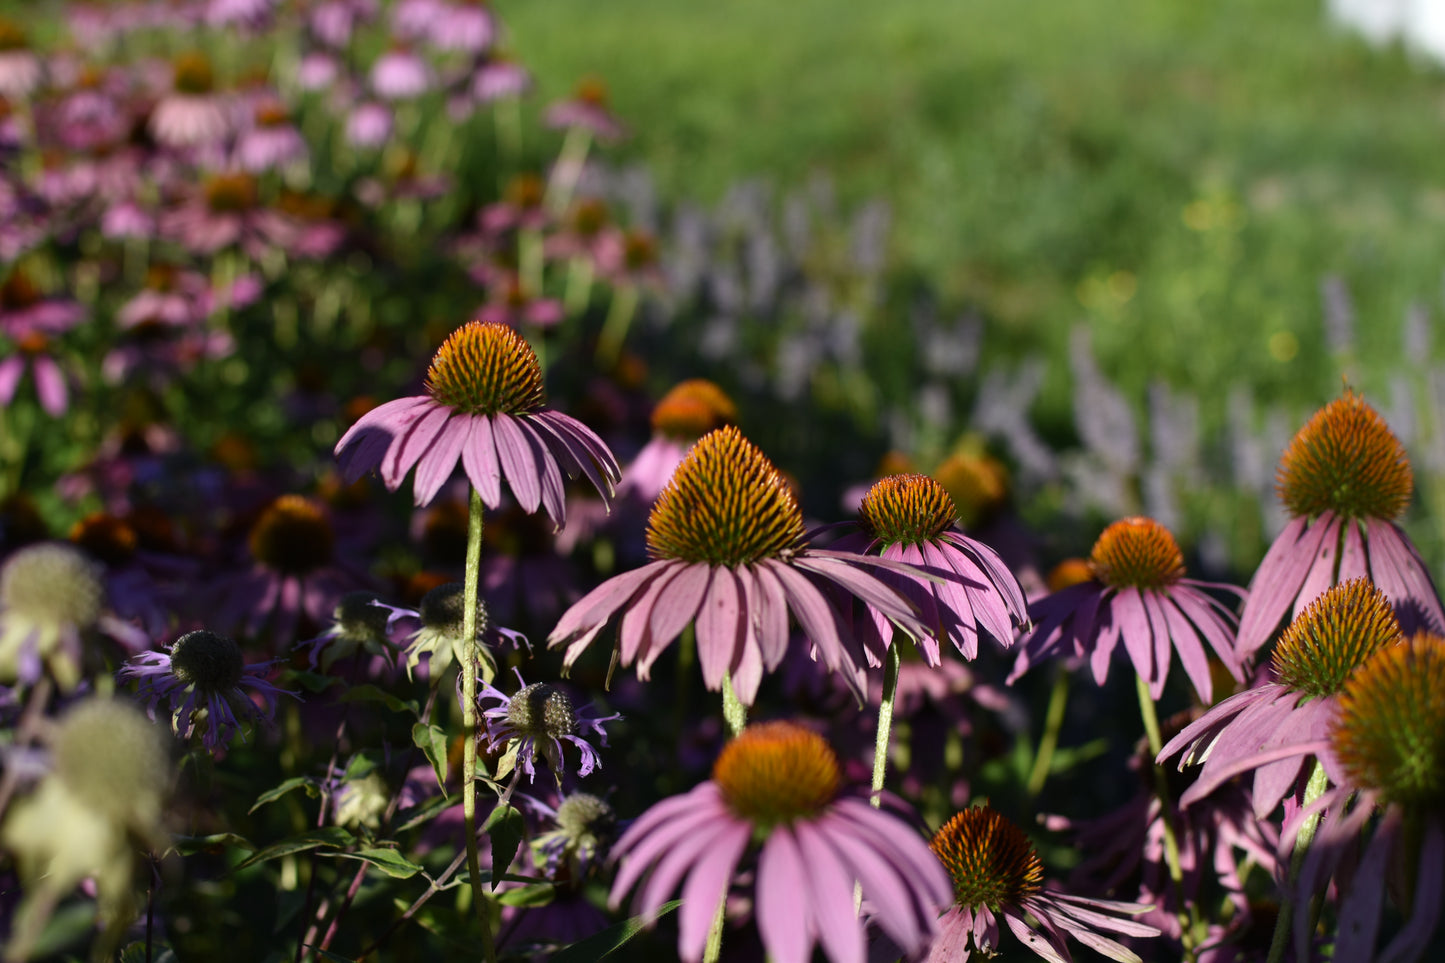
(885, 722)
(1314, 789)
(579, 286)
(1161, 789)
(736, 715)
(507, 118)
(734, 711)
(1053, 724)
(568, 169)
(469, 721)
(619, 319)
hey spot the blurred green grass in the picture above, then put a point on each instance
(1178, 175)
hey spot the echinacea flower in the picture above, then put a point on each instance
(400, 74)
(534, 722)
(729, 554)
(31, 321)
(485, 407)
(1138, 595)
(90, 817)
(20, 68)
(201, 680)
(1387, 758)
(778, 785)
(1344, 479)
(192, 115)
(997, 874)
(1334, 635)
(272, 141)
(689, 410)
(50, 594)
(588, 110)
(910, 518)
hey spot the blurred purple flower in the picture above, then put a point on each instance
(779, 784)
(400, 74)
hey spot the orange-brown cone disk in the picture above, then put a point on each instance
(1137, 552)
(1347, 461)
(775, 772)
(486, 369)
(991, 861)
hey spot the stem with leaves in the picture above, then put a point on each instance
(480, 903)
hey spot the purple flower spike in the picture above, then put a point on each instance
(203, 672)
(1345, 478)
(484, 408)
(535, 721)
(1138, 595)
(779, 783)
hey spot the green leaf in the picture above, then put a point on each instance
(311, 681)
(612, 939)
(331, 837)
(432, 741)
(538, 894)
(504, 826)
(507, 762)
(389, 861)
(214, 843)
(370, 693)
(295, 782)
(136, 953)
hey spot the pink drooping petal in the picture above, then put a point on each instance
(1399, 571)
(770, 610)
(633, 634)
(50, 386)
(653, 833)
(1321, 574)
(519, 463)
(590, 613)
(12, 369)
(1414, 937)
(364, 445)
(706, 886)
(817, 619)
(437, 464)
(1362, 904)
(783, 920)
(719, 627)
(1191, 652)
(1276, 583)
(830, 897)
(673, 610)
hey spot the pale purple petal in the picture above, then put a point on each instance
(673, 610)
(11, 371)
(719, 627)
(479, 459)
(412, 443)
(1276, 583)
(783, 920)
(706, 886)
(634, 633)
(519, 462)
(50, 385)
(830, 897)
(1360, 908)
(438, 462)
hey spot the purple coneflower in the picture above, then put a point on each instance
(465, 25)
(191, 115)
(50, 594)
(587, 109)
(778, 784)
(909, 518)
(225, 210)
(31, 322)
(1138, 595)
(369, 124)
(484, 407)
(271, 141)
(400, 74)
(727, 541)
(332, 21)
(534, 722)
(499, 77)
(20, 69)
(201, 681)
(688, 411)
(1335, 633)
(1344, 478)
(1387, 750)
(996, 873)
(510, 303)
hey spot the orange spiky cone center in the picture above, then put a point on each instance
(486, 369)
(1347, 461)
(776, 772)
(1137, 552)
(1333, 636)
(293, 535)
(725, 505)
(991, 861)
(692, 409)
(906, 509)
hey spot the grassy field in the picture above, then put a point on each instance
(1180, 176)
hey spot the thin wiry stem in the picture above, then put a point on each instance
(469, 721)
(1053, 724)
